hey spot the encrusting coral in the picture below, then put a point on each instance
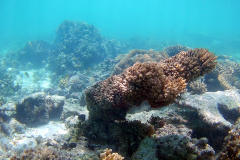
(158, 83)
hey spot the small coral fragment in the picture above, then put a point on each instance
(108, 155)
(198, 86)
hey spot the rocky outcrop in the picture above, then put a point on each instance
(39, 108)
(218, 109)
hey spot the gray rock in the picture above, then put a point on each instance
(7, 110)
(71, 122)
(6, 128)
(73, 108)
(18, 127)
(146, 150)
(219, 109)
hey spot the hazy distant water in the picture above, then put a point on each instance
(195, 23)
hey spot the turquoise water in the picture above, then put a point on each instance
(202, 23)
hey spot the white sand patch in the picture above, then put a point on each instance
(28, 79)
(47, 131)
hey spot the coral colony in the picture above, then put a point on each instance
(158, 83)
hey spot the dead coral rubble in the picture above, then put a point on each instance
(158, 83)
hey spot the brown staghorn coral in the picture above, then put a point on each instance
(189, 64)
(108, 155)
(158, 83)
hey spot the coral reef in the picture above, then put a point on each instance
(63, 83)
(108, 155)
(224, 77)
(175, 142)
(198, 86)
(79, 45)
(35, 52)
(137, 55)
(228, 74)
(38, 108)
(190, 64)
(42, 152)
(58, 149)
(231, 145)
(9, 83)
(75, 83)
(79, 57)
(125, 136)
(146, 150)
(74, 86)
(158, 83)
(177, 147)
(173, 50)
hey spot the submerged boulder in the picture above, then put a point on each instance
(220, 110)
(39, 108)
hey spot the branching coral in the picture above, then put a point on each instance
(63, 83)
(228, 74)
(172, 50)
(108, 155)
(137, 55)
(82, 44)
(189, 64)
(158, 83)
(34, 52)
(198, 86)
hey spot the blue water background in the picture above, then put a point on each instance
(213, 24)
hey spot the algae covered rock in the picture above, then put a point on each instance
(146, 150)
(38, 108)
